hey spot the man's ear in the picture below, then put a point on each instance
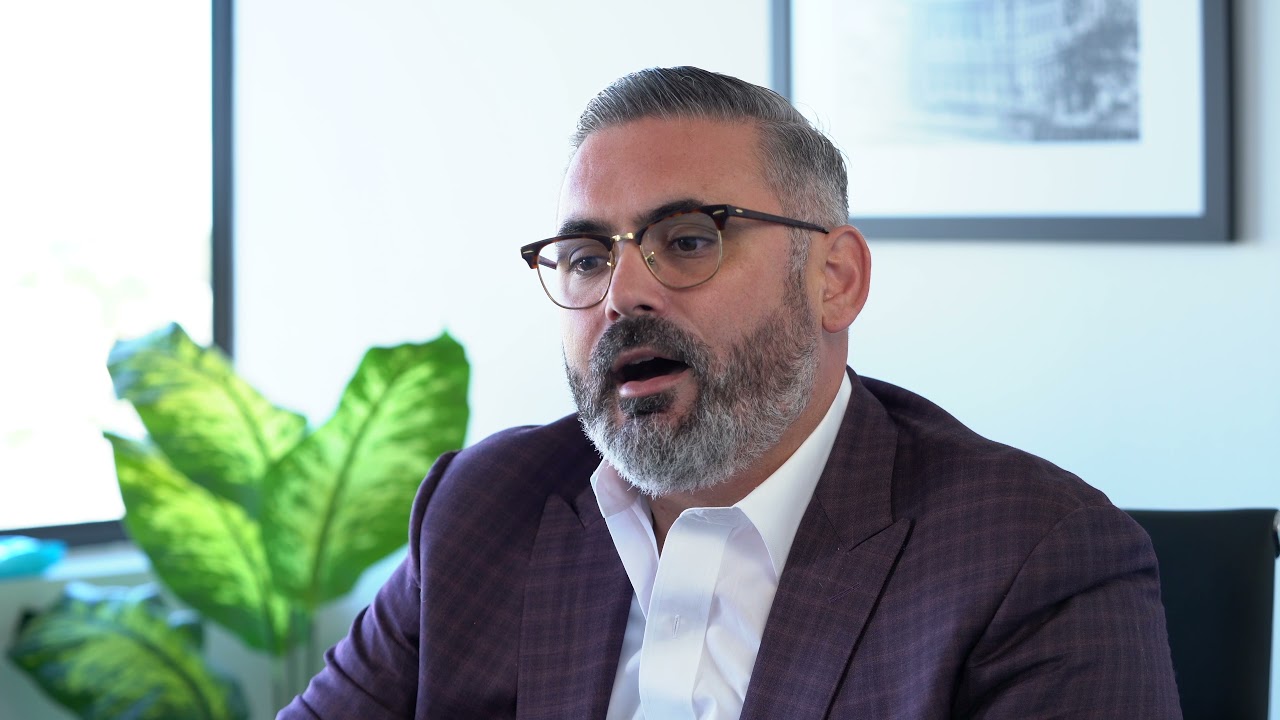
(846, 276)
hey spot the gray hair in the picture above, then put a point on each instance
(801, 165)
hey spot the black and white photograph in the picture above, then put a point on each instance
(1016, 70)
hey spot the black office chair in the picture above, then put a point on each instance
(1217, 575)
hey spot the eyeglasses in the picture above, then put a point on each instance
(682, 250)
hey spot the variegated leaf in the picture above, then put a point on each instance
(340, 500)
(116, 653)
(207, 550)
(213, 427)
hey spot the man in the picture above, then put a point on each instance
(735, 524)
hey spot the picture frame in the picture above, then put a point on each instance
(959, 120)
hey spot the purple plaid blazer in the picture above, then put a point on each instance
(935, 574)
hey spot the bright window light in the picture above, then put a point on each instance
(105, 184)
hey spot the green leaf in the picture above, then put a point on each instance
(117, 653)
(340, 500)
(213, 427)
(207, 550)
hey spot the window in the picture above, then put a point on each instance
(107, 154)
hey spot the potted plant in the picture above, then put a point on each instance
(248, 516)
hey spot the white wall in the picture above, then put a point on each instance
(392, 157)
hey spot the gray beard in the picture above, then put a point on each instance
(741, 410)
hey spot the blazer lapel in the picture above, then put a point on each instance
(575, 614)
(842, 557)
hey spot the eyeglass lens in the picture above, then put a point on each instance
(681, 250)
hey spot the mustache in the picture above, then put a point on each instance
(663, 336)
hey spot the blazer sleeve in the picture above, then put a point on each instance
(1081, 632)
(372, 673)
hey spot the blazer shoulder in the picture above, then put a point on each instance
(942, 467)
(520, 453)
(511, 471)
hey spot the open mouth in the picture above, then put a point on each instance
(646, 368)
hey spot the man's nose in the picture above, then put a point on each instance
(634, 289)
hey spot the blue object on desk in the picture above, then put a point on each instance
(21, 555)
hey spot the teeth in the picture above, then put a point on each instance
(637, 361)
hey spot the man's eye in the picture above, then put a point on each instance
(587, 264)
(691, 244)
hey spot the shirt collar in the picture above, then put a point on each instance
(613, 494)
(775, 507)
(777, 504)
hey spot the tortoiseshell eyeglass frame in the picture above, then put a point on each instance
(719, 214)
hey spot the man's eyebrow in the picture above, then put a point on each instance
(589, 226)
(582, 226)
(675, 206)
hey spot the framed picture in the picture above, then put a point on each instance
(1062, 119)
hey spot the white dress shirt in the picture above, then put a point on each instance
(699, 608)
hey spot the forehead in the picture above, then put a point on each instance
(621, 172)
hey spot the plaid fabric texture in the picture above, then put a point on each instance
(936, 574)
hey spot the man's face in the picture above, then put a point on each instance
(681, 389)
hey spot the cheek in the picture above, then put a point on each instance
(577, 339)
(744, 302)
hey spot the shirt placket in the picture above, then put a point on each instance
(680, 608)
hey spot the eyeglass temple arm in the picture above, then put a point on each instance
(767, 217)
